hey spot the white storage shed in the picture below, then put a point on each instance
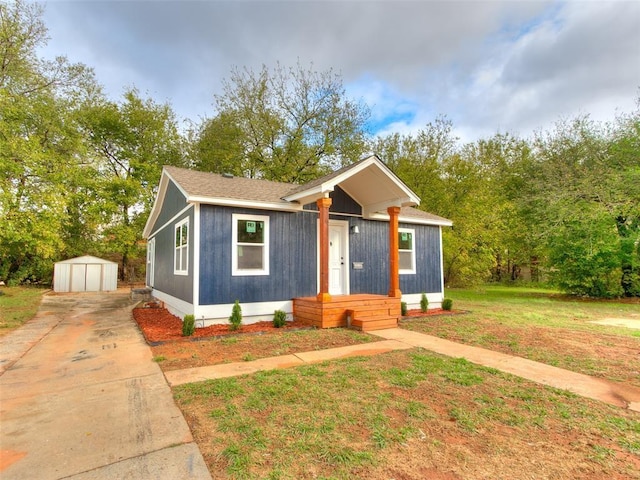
(85, 274)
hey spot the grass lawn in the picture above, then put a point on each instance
(546, 327)
(417, 415)
(17, 305)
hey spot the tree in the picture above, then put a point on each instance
(289, 125)
(129, 143)
(40, 149)
(585, 199)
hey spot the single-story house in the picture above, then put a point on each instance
(344, 249)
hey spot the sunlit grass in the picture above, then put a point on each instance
(18, 305)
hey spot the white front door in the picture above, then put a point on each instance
(338, 257)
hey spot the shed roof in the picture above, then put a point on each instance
(87, 259)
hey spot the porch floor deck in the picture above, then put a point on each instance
(364, 312)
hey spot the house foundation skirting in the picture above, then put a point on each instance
(363, 311)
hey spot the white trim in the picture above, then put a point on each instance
(412, 220)
(159, 200)
(441, 263)
(329, 185)
(251, 312)
(344, 224)
(151, 261)
(413, 300)
(176, 306)
(196, 255)
(171, 221)
(412, 270)
(235, 271)
(256, 205)
(182, 271)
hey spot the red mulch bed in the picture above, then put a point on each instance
(433, 311)
(158, 325)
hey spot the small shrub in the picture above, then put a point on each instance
(236, 316)
(424, 303)
(279, 319)
(403, 309)
(447, 304)
(188, 325)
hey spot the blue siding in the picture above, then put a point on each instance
(174, 201)
(341, 202)
(292, 258)
(179, 286)
(371, 247)
(427, 278)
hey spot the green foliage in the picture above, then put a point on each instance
(424, 303)
(285, 124)
(279, 319)
(188, 325)
(235, 320)
(447, 304)
(403, 308)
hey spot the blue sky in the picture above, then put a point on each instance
(489, 66)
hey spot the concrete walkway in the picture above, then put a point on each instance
(81, 399)
(613, 393)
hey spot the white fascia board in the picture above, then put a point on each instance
(308, 196)
(230, 202)
(381, 206)
(413, 220)
(157, 203)
(157, 206)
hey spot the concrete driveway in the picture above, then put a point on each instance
(81, 398)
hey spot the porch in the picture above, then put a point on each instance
(364, 312)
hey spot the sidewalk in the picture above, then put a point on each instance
(81, 399)
(613, 393)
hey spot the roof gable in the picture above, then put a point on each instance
(369, 182)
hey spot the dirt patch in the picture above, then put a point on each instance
(611, 357)
(218, 344)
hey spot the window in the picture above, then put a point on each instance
(406, 250)
(181, 256)
(250, 245)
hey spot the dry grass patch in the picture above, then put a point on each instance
(543, 327)
(405, 415)
(189, 353)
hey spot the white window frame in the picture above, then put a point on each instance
(151, 260)
(235, 271)
(177, 249)
(412, 270)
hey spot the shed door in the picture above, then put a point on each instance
(93, 278)
(338, 259)
(78, 275)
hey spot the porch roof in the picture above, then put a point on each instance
(369, 182)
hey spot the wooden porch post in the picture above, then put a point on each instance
(394, 260)
(323, 207)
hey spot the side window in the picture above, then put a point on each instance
(181, 255)
(250, 245)
(407, 250)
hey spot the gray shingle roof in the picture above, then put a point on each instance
(215, 186)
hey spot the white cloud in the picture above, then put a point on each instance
(487, 65)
